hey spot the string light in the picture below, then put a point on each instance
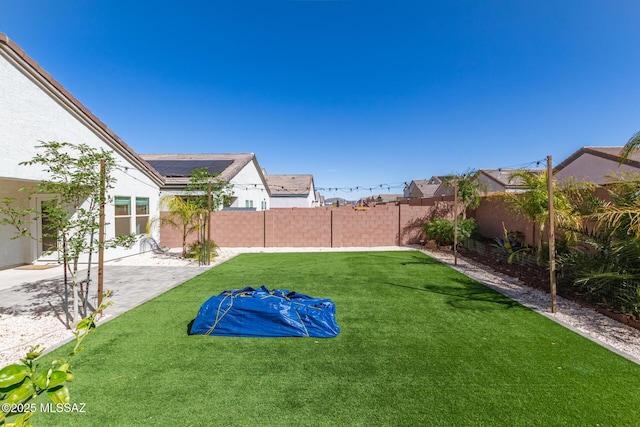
(346, 189)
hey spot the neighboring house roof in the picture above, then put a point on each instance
(419, 188)
(177, 168)
(609, 153)
(24, 62)
(597, 165)
(290, 185)
(383, 198)
(501, 179)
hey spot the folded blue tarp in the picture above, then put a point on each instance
(260, 312)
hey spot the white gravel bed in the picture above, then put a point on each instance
(19, 333)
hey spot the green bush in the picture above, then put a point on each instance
(195, 250)
(441, 230)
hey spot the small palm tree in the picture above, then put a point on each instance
(183, 215)
(632, 145)
(533, 203)
(469, 189)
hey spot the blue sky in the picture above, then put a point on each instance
(358, 93)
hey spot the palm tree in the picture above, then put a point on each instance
(469, 188)
(183, 215)
(632, 145)
(533, 203)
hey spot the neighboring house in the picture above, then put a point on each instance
(596, 165)
(241, 170)
(423, 188)
(501, 181)
(292, 191)
(382, 198)
(35, 107)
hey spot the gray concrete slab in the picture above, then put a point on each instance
(130, 286)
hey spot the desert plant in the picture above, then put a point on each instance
(199, 249)
(24, 381)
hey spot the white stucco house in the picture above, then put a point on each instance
(241, 170)
(292, 191)
(35, 107)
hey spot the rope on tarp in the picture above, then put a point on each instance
(224, 313)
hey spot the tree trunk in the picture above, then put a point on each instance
(74, 289)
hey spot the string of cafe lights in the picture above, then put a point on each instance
(535, 164)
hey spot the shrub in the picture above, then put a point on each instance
(196, 250)
(441, 230)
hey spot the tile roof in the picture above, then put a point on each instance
(29, 66)
(289, 185)
(427, 187)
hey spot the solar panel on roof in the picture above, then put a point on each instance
(184, 168)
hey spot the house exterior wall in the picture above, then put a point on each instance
(292, 201)
(591, 168)
(384, 225)
(32, 112)
(249, 187)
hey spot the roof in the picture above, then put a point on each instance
(26, 64)
(289, 185)
(503, 176)
(177, 168)
(610, 153)
(427, 187)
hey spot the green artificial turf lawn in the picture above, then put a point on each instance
(420, 344)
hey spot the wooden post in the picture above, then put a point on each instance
(208, 222)
(101, 233)
(552, 242)
(455, 221)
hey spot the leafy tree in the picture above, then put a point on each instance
(75, 182)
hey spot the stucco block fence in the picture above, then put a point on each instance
(382, 225)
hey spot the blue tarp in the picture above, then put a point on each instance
(260, 312)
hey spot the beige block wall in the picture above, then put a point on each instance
(383, 225)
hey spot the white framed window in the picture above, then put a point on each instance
(142, 214)
(248, 203)
(129, 221)
(122, 215)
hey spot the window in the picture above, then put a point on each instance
(123, 216)
(142, 214)
(248, 203)
(263, 205)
